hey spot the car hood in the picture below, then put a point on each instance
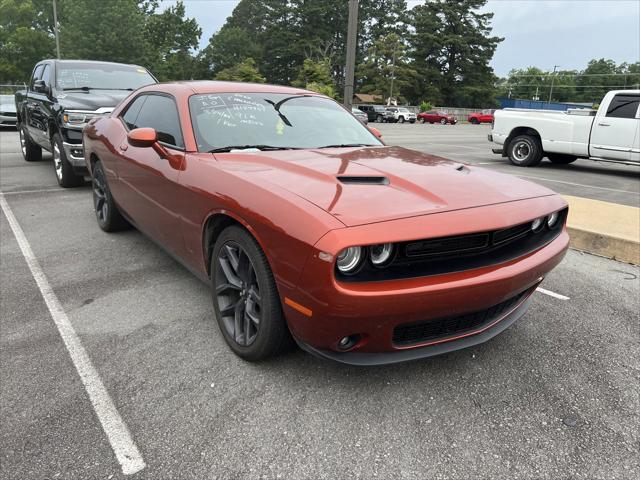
(366, 185)
(91, 100)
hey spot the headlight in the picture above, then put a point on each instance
(78, 119)
(537, 224)
(553, 219)
(349, 260)
(381, 254)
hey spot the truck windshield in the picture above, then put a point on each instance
(101, 76)
(268, 121)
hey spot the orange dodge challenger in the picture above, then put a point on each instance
(308, 227)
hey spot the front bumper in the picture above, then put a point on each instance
(374, 310)
(75, 155)
(469, 339)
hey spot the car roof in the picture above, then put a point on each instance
(72, 61)
(216, 86)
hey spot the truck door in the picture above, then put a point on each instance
(29, 104)
(39, 106)
(615, 132)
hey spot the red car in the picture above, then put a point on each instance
(485, 116)
(308, 227)
(433, 116)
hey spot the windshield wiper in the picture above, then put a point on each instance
(247, 147)
(345, 145)
(86, 89)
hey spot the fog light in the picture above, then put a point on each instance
(553, 219)
(346, 343)
(537, 224)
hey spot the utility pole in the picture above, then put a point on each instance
(553, 77)
(55, 28)
(352, 32)
(393, 73)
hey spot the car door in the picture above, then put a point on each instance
(31, 119)
(148, 181)
(615, 131)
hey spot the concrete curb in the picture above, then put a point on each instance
(606, 229)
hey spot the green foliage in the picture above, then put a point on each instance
(425, 106)
(228, 47)
(322, 88)
(584, 86)
(316, 76)
(25, 38)
(245, 71)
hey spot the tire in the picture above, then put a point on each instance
(30, 151)
(401, 119)
(421, 120)
(474, 121)
(246, 292)
(561, 159)
(65, 174)
(107, 213)
(443, 121)
(379, 119)
(525, 151)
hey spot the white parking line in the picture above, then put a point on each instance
(551, 294)
(114, 427)
(41, 190)
(576, 184)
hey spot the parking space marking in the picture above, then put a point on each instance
(575, 184)
(41, 190)
(552, 294)
(115, 429)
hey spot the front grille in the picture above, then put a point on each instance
(8, 114)
(435, 256)
(445, 327)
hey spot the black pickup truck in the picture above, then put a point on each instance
(61, 98)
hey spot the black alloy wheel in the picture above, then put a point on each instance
(238, 294)
(246, 301)
(107, 214)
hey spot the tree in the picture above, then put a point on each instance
(387, 59)
(26, 37)
(316, 76)
(452, 48)
(109, 30)
(246, 71)
(228, 47)
(171, 38)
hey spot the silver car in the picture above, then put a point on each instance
(360, 115)
(8, 116)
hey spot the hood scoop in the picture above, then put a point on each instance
(362, 180)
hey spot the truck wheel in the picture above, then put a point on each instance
(379, 119)
(474, 121)
(30, 151)
(525, 151)
(109, 217)
(443, 121)
(401, 119)
(64, 171)
(561, 159)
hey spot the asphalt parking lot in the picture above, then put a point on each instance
(468, 143)
(555, 396)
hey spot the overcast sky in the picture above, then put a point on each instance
(540, 33)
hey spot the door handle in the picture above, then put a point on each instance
(604, 124)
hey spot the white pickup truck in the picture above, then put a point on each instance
(611, 133)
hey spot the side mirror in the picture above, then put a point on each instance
(147, 137)
(376, 132)
(39, 86)
(142, 137)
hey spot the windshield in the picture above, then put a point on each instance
(403, 110)
(101, 76)
(274, 120)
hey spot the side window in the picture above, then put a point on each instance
(623, 106)
(37, 74)
(46, 75)
(160, 112)
(131, 113)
